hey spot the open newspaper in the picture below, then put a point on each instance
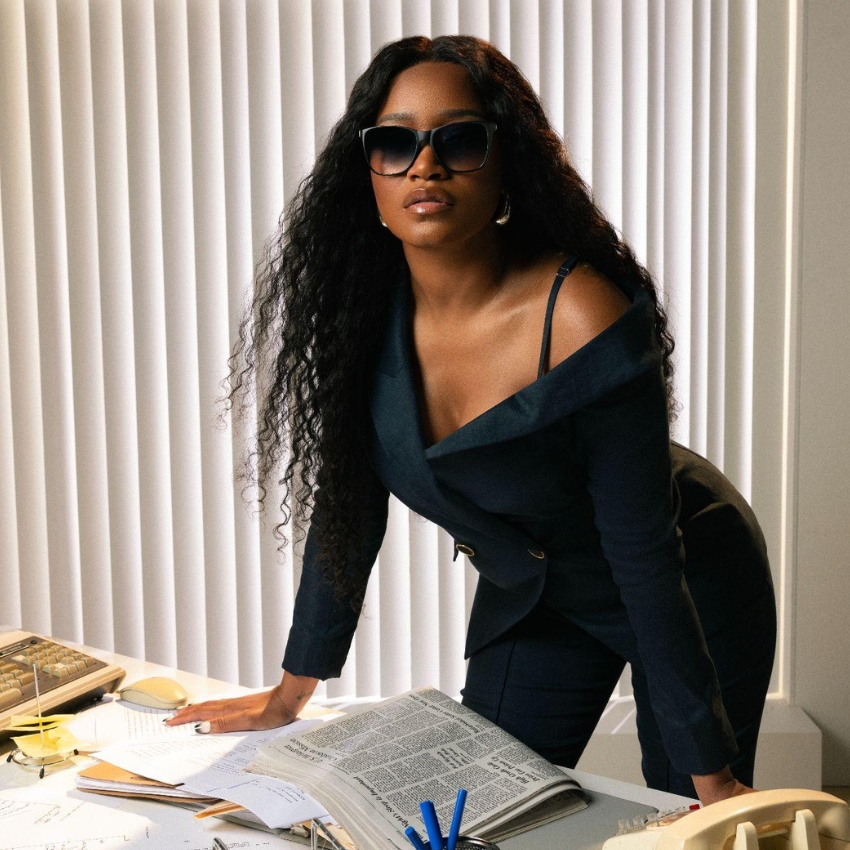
(372, 768)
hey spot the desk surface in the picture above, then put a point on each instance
(61, 782)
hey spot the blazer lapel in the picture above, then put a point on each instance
(622, 352)
(395, 414)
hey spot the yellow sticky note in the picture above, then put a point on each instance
(56, 741)
(31, 723)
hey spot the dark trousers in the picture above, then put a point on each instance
(548, 680)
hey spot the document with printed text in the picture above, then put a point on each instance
(373, 767)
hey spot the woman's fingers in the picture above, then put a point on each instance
(240, 722)
(218, 708)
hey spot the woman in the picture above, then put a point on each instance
(412, 340)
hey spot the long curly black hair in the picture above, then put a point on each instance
(306, 348)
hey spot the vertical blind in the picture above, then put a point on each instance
(147, 148)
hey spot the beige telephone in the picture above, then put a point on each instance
(790, 819)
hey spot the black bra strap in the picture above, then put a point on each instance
(566, 267)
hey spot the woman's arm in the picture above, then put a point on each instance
(625, 437)
(323, 624)
(626, 440)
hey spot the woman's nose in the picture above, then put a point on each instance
(426, 166)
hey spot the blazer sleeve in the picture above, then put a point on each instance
(323, 623)
(625, 435)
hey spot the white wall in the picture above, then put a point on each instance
(821, 663)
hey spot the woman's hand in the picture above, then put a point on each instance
(721, 785)
(266, 710)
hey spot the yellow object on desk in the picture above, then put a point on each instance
(49, 737)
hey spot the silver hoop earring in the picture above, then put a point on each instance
(381, 219)
(505, 215)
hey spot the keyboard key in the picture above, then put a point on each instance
(10, 698)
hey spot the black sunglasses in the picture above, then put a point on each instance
(462, 146)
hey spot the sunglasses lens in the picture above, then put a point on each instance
(462, 146)
(389, 150)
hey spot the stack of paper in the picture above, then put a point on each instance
(105, 778)
(214, 766)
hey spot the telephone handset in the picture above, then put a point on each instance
(790, 819)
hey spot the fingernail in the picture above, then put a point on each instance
(165, 720)
(203, 727)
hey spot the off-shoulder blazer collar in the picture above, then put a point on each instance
(624, 350)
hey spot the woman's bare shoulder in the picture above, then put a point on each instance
(587, 303)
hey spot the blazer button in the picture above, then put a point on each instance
(464, 549)
(537, 553)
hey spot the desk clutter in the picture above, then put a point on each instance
(389, 772)
(369, 770)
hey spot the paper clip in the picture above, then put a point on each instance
(320, 833)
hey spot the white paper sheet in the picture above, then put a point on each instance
(114, 722)
(43, 819)
(214, 765)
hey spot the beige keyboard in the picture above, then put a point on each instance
(66, 677)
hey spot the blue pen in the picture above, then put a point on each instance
(413, 837)
(429, 815)
(454, 829)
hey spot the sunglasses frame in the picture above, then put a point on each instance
(425, 137)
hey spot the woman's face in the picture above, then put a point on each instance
(428, 205)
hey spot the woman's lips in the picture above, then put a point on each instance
(425, 207)
(425, 201)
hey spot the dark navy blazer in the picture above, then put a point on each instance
(574, 469)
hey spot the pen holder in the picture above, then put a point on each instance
(470, 842)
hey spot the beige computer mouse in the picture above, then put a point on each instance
(155, 692)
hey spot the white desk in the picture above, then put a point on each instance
(167, 818)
